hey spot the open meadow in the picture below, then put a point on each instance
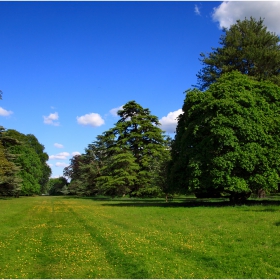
(68, 237)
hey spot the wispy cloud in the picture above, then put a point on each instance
(169, 122)
(4, 112)
(114, 111)
(92, 119)
(229, 11)
(62, 155)
(51, 119)
(57, 145)
(197, 10)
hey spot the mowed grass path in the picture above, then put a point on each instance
(59, 237)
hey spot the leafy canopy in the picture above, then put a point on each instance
(29, 155)
(228, 138)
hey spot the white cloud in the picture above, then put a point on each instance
(62, 155)
(75, 153)
(169, 123)
(60, 146)
(61, 164)
(114, 111)
(49, 164)
(230, 11)
(92, 119)
(55, 176)
(196, 10)
(4, 112)
(51, 119)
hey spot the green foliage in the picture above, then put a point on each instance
(83, 171)
(31, 171)
(29, 155)
(9, 177)
(119, 176)
(228, 138)
(137, 131)
(126, 159)
(58, 186)
(247, 47)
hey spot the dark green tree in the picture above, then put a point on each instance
(227, 139)
(33, 142)
(30, 165)
(126, 159)
(247, 47)
(10, 182)
(30, 157)
(58, 186)
(137, 132)
(119, 175)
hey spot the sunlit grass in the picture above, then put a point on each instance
(57, 237)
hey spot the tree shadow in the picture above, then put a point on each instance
(124, 200)
(6, 197)
(188, 203)
(180, 202)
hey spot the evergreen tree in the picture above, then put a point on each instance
(247, 47)
(137, 131)
(126, 159)
(119, 176)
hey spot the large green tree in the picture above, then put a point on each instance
(248, 47)
(29, 155)
(137, 133)
(10, 182)
(227, 138)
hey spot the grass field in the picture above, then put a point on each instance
(61, 237)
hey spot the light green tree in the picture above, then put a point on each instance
(227, 139)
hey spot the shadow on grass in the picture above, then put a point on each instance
(192, 204)
(6, 197)
(181, 202)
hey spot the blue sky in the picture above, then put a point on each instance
(67, 66)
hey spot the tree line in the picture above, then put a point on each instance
(127, 159)
(227, 138)
(226, 141)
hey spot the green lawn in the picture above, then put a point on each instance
(61, 237)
